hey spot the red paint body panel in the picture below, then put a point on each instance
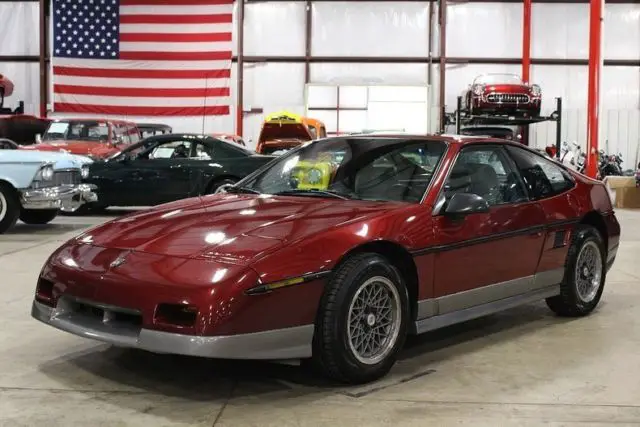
(207, 251)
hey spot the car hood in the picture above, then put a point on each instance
(507, 87)
(231, 228)
(74, 147)
(32, 156)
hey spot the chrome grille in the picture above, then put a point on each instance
(66, 177)
(508, 98)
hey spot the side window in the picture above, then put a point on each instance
(203, 152)
(323, 132)
(171, 150)
(133, 134)
(313, 132)
(485, 171)
(121, 132)
(542, 177)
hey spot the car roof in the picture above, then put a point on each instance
(448, 138)
(91, 119)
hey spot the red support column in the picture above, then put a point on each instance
(526, 41)
(593, 98)
(240, 69)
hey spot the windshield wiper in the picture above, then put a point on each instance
(312, 192)
(234, 189)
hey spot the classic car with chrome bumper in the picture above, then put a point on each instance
(67, 198)
(35, 186)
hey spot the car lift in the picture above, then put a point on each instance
(459, 118)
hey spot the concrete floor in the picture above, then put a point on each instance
(523, 367)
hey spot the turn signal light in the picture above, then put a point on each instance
(44, 292)
(178, 315)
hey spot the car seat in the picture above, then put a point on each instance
(180, 152)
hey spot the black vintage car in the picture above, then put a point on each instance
(169, 167)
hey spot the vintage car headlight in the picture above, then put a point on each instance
(536, 90)
(84, 171)
(478, 89)
(46, 173)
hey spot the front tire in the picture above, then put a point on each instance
(38, 216)
(213, 187)
(9, 207)
(362, 320)
(584, 276)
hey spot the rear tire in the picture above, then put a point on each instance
(9, 207)
(38, 216)
(584, 276)
(362, 320)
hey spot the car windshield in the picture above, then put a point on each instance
(489, 79)
(361, 168)
(86, 130)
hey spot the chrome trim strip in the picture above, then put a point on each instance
(436, 307)
(289, 343)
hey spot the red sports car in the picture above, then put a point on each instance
(504, 94)
(337, 250)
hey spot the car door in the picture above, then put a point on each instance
(162, 174)
(549, 184)
(485, 256)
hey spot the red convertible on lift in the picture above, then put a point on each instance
(502, 94)
(337, 250)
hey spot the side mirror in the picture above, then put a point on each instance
(462, 204)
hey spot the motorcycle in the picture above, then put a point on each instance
(609, 165)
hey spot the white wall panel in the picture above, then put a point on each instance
(370, 29)
(374, 73)
(620, 99)
(19, 28)
(484, 30)
(622, 31)
(620, 88)
(274, 28)
(25, 77)
(559, 30)
(272, 87)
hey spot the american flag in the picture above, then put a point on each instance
(142, 57)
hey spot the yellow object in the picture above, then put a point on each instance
(313, 175)
(283, 117)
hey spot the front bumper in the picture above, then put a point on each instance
(68, 198)
(279, 344)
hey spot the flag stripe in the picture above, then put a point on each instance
(175, 56)
(158, 83)
(175, 37)
(141, 65)
(132, 101)
(175, 2)
(216, 18)
(215, 110)
(106, 73)
(181, 9)
(138, 92)
(176, 28)
(186, 48)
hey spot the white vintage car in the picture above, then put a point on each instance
(35, 186)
